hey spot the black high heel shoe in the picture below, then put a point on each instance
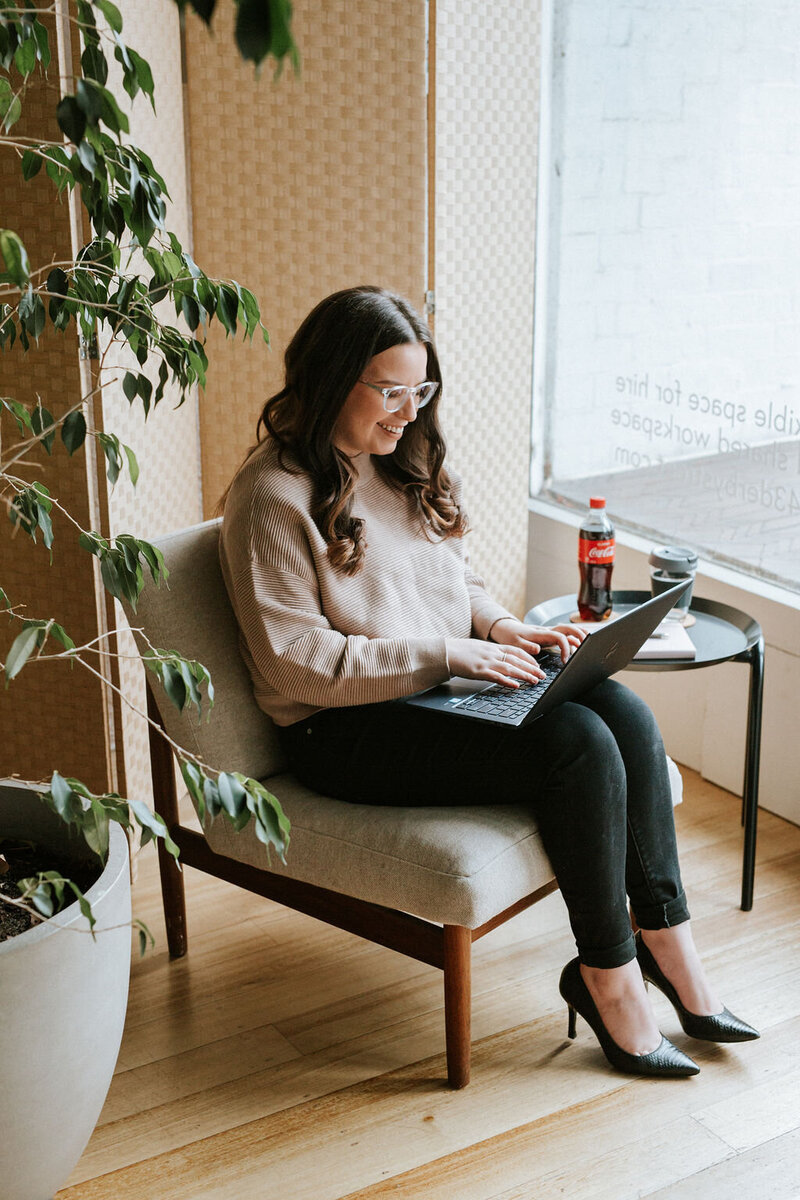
(665, 1060)
(719, 1027)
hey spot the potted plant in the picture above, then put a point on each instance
(63, 982)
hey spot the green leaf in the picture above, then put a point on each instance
(95, 828)
(228, 308)
(42, 44)
(85, 907)
(61, 634)
(31, 164)
(31, 313)
(133, 465)
(94, 64)
(112, 114)
(73, 431)
(88, 25)
(174, 686)
(203, 8)
(87, 157)
(193, 779)
(254, 29)
(211, 796)
(41, 898)
(143, 73)
(191, 311)
(110, 575)
(111, 14)
(232, 794)
(25, 56)
(110, 445)
(153, 822)
(93, 542)
(63, 799)
(155, 561)
(21, 649)
(130, 386)
(19, 411)
(41, 419)
(10, 106)
(58, 281)
(15, 257)
(71, 118)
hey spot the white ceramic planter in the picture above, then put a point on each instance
(62, 1009)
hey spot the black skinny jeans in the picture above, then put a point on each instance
(593, 771)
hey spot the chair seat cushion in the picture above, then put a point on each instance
(452, 865)
(455, 866)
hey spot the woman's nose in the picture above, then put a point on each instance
(409, 409)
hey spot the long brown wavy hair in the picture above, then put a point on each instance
(324, 361)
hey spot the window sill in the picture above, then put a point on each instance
(707, 568)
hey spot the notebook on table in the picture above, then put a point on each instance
(610, 648)
(668, 640)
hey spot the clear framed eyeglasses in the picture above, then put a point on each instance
(395, 397)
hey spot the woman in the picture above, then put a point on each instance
(342, 551)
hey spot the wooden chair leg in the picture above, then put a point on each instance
(165, 798)
(458, 1003)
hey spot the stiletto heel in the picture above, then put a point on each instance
(572, 1022)
(719, 1027)
(667, 1060)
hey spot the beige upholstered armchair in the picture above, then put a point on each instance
(424, 881)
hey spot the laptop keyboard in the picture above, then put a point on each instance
(499, 701)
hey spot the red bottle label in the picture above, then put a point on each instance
(596, 553)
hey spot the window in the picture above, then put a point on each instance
(668, 273)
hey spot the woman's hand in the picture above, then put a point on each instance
(476, 659)
(534, 638)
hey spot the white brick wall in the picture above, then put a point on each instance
(674, 243)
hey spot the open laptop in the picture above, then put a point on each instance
(608, 649)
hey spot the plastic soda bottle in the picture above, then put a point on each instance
(596, 562)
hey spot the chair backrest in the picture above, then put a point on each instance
(193, 616)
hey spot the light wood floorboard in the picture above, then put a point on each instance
(282, 1058)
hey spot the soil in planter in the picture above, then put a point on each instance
(25, 859)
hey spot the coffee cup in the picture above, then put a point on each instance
(671, 565)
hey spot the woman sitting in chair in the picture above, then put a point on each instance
(342, 550)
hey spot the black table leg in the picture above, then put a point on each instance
(755, 656)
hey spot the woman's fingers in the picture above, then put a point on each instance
(518, 666)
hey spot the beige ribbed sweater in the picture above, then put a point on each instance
(314, 638)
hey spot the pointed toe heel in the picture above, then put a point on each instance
(666, 1061)
(719, 1027)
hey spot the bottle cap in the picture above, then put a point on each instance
(676, 560)
(597, 502)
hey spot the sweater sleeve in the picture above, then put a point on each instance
(275, 592)
(304, 659)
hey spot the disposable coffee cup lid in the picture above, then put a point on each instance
(675, 559)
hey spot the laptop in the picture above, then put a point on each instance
(608, 649)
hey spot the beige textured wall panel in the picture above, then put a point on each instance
(303, 186)
(51, 715)
(487, 84)
(168, 493)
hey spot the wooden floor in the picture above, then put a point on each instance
(285, 1059)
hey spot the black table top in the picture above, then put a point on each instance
(720, 632)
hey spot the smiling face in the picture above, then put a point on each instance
(363, 425)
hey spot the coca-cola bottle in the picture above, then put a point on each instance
(596, 562)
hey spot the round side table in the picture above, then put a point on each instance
(721, 634)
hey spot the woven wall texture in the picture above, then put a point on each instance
(487, 82)
(51, 715)
(303, 186)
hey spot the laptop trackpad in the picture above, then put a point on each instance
(454, 692)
